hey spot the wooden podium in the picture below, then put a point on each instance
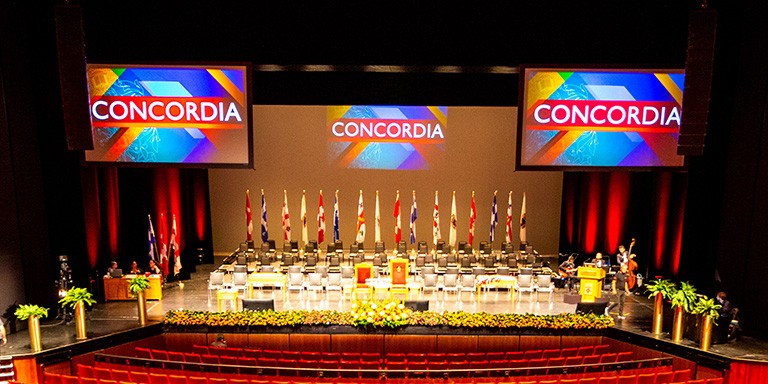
(591, 283)
(117, 288)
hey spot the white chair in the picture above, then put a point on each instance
(215, 282)
(524, 283)
(315, 282)
(333, 282)
(296, 282)
(322, 269)
(544, 284)
(294, 269)
(429, 282)
(240, 281)
(267, 268)
(467, 284)
(450, 283)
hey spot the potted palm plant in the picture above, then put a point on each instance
(659, 290)
(77, 299)
(32, 313)
(683, 299)
(136, 287)
(709, 311)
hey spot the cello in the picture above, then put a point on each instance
(631, 267)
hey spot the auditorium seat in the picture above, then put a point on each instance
(98, 373)
(210, 359)
(200, 349)
(176, 356)
(550, 353)
(458, 357)
(646, 378)
(663, 377)
(139, 377)
(217, 380)
(291, 364)
(350, 356)
(533, 354)
(436, 357)
(588, 380)
(494, 356)
(555, 362)
(416, 357)
(574, 360)
(250, 352)
(698, 381)
(396, 369)
(107, 381)
(349, 368)
(269, 363)
(197, 380)
(568, 352)
(681, 375)
(608, 380)
(176, 379)
(586, 350)
(155, 378)
(624, 356)
(628, 379)
(514, 355)
(329, 367)
(84, 370)
(227, 360)
(394, 358)
(238, 381)
(121, 375)
(569, 381)
(248, 361)
(479, 368)
(159, 354)
(458, 365)
(88, 380)
(716, 380)
(51, 378)
(143, 353)
(417, 369)
(475, 356)
(66, 379)
(192, 358)
(367, 369)
(271, 354)
(607, 358)
(602, 348)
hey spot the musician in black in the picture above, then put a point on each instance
(566, 272)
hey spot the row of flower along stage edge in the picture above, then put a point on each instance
(384, 317)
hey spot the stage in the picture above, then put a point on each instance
(114, 322)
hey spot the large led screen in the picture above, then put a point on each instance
(170, 114)
(584, 118)
(390, 137)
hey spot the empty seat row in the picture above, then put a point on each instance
(653, 377)
(509, 355)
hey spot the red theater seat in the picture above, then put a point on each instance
(271, 354)
(349, 367)
(588, 380)
(66, 379)
(569, 381)
(646, 378)
(140, 377)
(395, 358)
(121, 375)
(494, 356)
(350, 356)
(155, 378)
(608, 380)
(629, 379)
(369, 366)
(479, 368)
(197, 380)
(85, 370)
(533, 354)
(251, 352)
(602, 348)
(216, 380)
(664, 377)
(550, 353)
(394, 366)
(210, 359)
(568, 352)
(238, 381)
(417, 369)
(192, 358)
(51, 378)
(681, 375)
(143, 353)
(555, 362)
(416, 357)
(514, 355)
(586, 350)
(476, 356)
(100, 373)
(624, 356)
(200, 349)
(159, 354)
(175, 356)
(88, 380)
(716, 380)
(435, 368)
(455, 357)
(176, 379)
(107, 381)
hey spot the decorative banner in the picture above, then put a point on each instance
(600, 118)
(386, 137)
(169, 114)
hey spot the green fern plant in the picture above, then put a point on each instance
(76, 295)
(664, 286)
(684, 297)
(25, 311)
(138, 284)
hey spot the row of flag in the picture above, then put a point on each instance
(360, 228)
(158, 249)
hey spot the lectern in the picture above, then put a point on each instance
(591, 283)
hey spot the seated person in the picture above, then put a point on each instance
(154, 268)
(219, 342)
(135, 270)
(567, 268)
(600, 262)
(111, 268)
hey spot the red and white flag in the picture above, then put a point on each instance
(161, 227)
(360, 220)
(286, 218)
(248, 215)
(320, 220)
(304, 234)
(377, 218)
(436, 223)
(175, 247)
(452, 237)
(509, 219)
(398, 228)
(522, 222)
(472, 217)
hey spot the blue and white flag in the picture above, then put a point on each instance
(264, 232)
(151, 238)
(494, 217)
(413, 219)
(336, 216)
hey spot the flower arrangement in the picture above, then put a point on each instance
(76, 295)
(684, 297)
(393, 309)
(25, 311)
(388, 313)
(707, 307)
(664, 286)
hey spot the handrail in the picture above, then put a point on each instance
(382, 372)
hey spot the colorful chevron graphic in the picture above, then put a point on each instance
(169, 114)
(601, 118)
(386, 137)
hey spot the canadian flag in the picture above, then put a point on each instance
(452, 235)
(175, 247)
(436, 223)
(360, 220)
(304, 234)
(522, 222)
(509, 219)
(162, 244)
(377, 218)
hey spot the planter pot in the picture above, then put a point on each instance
(35, 342)
(677, 325)
(658, 314)
(141, 299)
(80, 320)
(706, 333)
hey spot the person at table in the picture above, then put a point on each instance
(154, 268)
(135, 270)
(112, 267)
(600, 262)
(567, 268)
